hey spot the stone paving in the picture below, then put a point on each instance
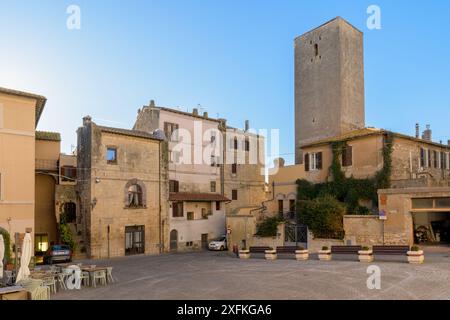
(219, 275)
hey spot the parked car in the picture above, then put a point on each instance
(218, 244)
(58, 253)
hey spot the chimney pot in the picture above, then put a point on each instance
(417, 131)
(195, 112)
(205, 114)
(247, 125)
(86, 120)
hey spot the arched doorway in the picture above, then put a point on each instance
(173, 240)
(70, 212)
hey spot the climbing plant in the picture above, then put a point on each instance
(7, 242)
(348, 191)
(268, 227)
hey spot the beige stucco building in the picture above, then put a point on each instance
(123, 189)
(19, 116)
(210, 172)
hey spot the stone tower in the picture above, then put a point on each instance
(329, 83)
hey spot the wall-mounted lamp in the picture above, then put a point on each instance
(97, 180)
(94, 202)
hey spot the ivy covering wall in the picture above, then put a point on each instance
(347, 191)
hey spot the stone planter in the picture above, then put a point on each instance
(415, 257)
(324, 255)
(365, 255)
(244, 254)
(271, 254)
(301, 255)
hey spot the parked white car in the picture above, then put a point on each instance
(219, 244)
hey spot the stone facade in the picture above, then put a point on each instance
(329, 83)
(106, 187)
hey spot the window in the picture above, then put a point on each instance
(171, 131)
(213, 161)
(423, 160)
(316, 49)
(429, 158)
(347, 156)
(247, 145)
(217, 205)
(235, 143)
(447, 156)
(213, 186)
(189, 244)
(174, 186)
(177, 209)
(436, 159)
(234, 168)
(135, 196)
(313, 161)
(204, 213)
(111, 155)
(190, 216)
(442, 160)
(40, 243)
(213, 137)
(280, 206)
(234, 194)
(68, 173)
(291, 205)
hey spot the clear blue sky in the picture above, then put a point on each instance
(235, 58)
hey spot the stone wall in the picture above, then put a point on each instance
(316, 244)
(363, 230)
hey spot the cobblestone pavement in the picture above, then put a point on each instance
(218, 275)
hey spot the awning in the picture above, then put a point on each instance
(197, 197)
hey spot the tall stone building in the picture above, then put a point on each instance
(123, 190)
(329, 83)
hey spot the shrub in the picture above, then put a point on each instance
(66, 236)
(324, 248)
(323, 215)
(7, 242)
(268, 227)
(365, 248)
(415, 248)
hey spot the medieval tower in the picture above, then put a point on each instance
(329, 83)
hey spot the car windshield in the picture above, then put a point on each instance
(60, 247)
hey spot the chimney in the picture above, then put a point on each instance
(152, 103)
(448, 142)
(417, 131)
(195, 112)
(205, 114)
(87, 120)
(247, 125)
(427, 134)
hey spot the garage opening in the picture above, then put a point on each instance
(431, 218)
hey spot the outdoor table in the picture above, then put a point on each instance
(13, 293)
(91, 271)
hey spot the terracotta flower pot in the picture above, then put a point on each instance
(301, 255)
(244, 254)
(415, 257)
(324, 255)
(271, 254)
(365, 255)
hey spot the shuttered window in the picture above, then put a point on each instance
(307, 162)
(234, 195)
(177, 209)
(174, 186)
(347, 156)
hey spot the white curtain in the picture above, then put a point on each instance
(2, 255)
(24, 272)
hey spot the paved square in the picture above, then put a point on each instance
(217, 275)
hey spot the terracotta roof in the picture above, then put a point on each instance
(355, 134)
(126, 132)
(49, 136)
(40, 100)
(202, 197)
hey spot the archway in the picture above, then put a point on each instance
(173, 240)
(70, 212)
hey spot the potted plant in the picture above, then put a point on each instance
(244, 253)
(325, 254)
(301, 254)
(271, 254)
(415, 255)
(365, 255)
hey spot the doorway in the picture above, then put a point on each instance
(204, 241)
(173, 240)
(134, 240)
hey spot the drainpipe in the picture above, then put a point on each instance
(159, 191)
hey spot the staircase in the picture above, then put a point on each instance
(78, 237)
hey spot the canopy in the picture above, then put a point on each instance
(24, 272)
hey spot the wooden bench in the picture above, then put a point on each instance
(345, 249)
(287, 249)
(390, 250)
(259, 249)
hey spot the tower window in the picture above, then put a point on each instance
(316, 49)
